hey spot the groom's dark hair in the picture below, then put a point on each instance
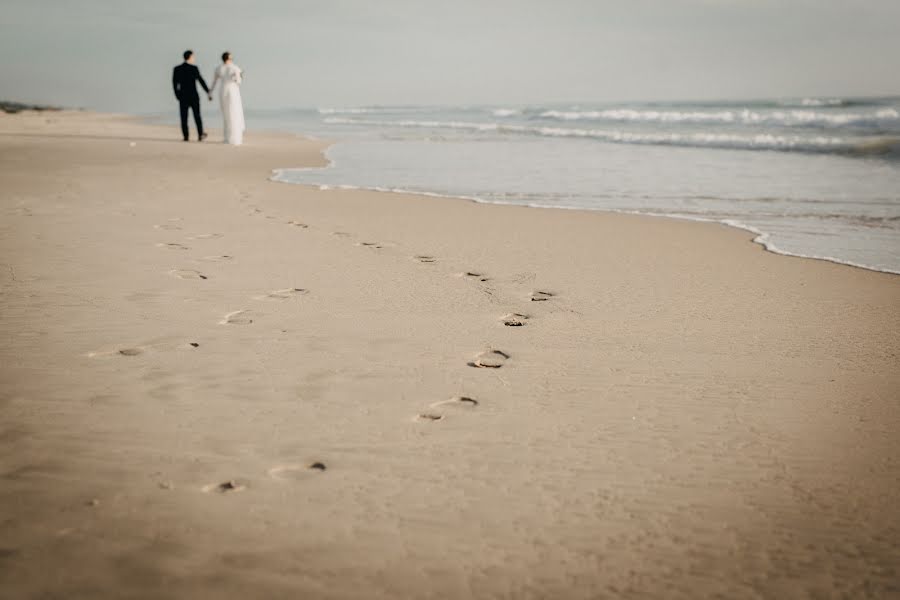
(188, 54)
(226, 56)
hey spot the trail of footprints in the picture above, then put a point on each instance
(489, 359)
(280, 473)
(139, 350)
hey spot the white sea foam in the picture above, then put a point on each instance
(749, 141)
(409, 123)
(375, 110)
(814, 102)
(807, 118)
(623, 114)
(345, 111)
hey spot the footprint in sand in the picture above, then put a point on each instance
(138, 350)
(296, 472)
(428, 417)
(205, 236)
(424, 258)
(187, 274)
(298, 224)
(514, 319)
(340, 234)
(238, 317)
(456, 403)
(490, 359)
(283, 294)
(217, 258)
(463, 402)
(124, 351)
(540, 296)
(172, 246)
(168, 226)
(22, 211)
(473, 275)
(226, 487)
(374, 245)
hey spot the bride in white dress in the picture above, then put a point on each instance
(230, 99)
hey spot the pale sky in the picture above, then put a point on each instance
(118, 54)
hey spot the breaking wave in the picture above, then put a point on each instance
(784, 118)
(886, 145)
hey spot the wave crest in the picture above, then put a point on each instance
(759, 141)
(786, 118)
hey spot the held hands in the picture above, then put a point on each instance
(209, 95)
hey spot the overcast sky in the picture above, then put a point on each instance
(118, 54)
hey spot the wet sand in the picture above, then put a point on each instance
(217, 386)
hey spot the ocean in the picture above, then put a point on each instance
(813, 177)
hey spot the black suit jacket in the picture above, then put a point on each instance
(184, 81)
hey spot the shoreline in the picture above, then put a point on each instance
(217, 387)
(759, 237)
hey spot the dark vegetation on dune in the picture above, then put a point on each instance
(14, 107)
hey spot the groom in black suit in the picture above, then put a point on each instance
(184, 80)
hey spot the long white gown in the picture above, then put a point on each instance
(230, 102)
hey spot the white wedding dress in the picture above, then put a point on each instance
(230, 102)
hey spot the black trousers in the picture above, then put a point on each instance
(194, 104)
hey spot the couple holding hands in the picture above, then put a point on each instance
(184, 81)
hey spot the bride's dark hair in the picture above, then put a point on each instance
(226, 56)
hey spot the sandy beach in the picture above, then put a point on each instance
(218, 386)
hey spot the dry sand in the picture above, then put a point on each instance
(687, 416)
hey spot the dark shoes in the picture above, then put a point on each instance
(202, 137)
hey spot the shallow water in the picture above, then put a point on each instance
(814, 177)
